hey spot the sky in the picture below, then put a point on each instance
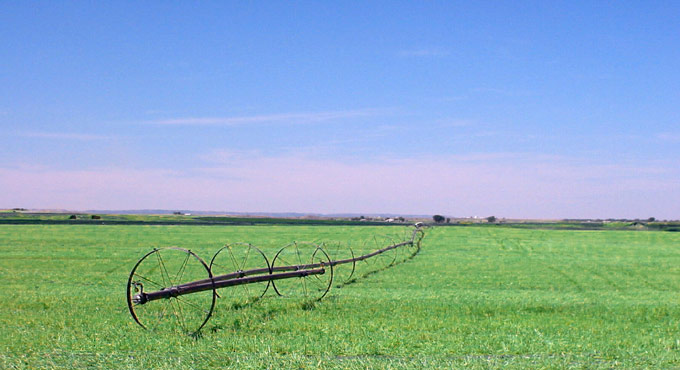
(531, 109)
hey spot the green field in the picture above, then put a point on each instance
(473, 297)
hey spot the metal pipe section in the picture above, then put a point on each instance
(197, 286)
(229, 276)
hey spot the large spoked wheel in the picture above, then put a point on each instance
(342, 272)
(414, 247)
(386, 258)
(238, 261)
(162, 269)
(405, 251)
(363, 266)
(299, 257)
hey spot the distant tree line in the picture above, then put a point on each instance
(440, 219)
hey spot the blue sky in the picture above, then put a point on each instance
(514, 109)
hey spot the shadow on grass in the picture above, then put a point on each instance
(373, 272)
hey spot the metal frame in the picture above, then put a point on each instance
(269, 273)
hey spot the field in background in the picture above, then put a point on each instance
(26, 217)
(473, 297)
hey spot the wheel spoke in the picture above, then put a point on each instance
(178, 313)
(197, 307)
(164, 270)
(149, 280)
(180, 273)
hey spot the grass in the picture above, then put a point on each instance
(474, 297)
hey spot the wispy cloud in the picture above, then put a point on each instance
(430, 52)
(494, 90)
(669, 136)
(63, 136)
(290, 118)
(424, 52)
(228, 156)
(157, 111)
(449, 99)
(503, 92)
(455, 123)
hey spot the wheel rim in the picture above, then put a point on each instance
(311, 287)
(239, 258)
(386, 258)
(344, 272)
(161, 269)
